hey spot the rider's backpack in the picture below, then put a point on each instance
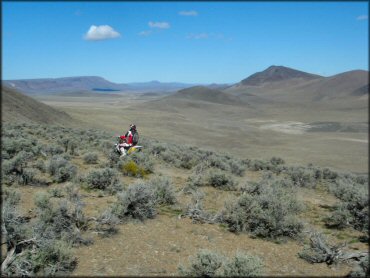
(135, 137)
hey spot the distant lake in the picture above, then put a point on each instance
(104, 90)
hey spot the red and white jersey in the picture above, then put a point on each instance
(128, 137)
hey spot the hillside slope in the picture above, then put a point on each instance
(19, 107)
(205, 94)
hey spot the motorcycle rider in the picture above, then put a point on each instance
(128, 140)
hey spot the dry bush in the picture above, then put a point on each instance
(354, 202)
(103, 179)
(242, 265)
(90, 158)
(106, 223)
(361, 269)
(61, 169)
(164, 192)
(63, 221)
(137, 202)
(207, 263)
(195, 210)
(220, 180)
(268, 210)
(204, 264)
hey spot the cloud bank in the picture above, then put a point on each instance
(145, 33)
(159, 25)
(188, 13)
(202, 36)
(198, 36)
(102, 32)
(363, 17)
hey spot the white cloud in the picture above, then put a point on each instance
(160, 25)
(145, 33)
(188, 13)
(102, 32)
(363, 17)
(198, 36)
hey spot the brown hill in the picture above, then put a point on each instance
(275, 74)
(347, 87)
(16, 106)
(200, 93)
(341, 85)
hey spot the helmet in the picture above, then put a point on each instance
(132, 127)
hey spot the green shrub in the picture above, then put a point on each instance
(106, 146)
(72, 145)
(220, 180)
(14, 146)
(61, 169)
(328, 174)
(302, 177)
(218, 162)
(277, 161)
(204, 264)
(195, 210)
(164, 193)
(207, 263)
(12, 220)
(269, 210)
(106, 223)
(193, 182)
(258, 165)
(52, 257)
(340, 218)
(137, 202)
(237, 167)
(102, 179)
(354, 200)
(40, 165)
(63, 221)
(52, 149)
(16, 164)
(47, 258)
(113, 158)
(56, 192)
(28, 176)
(90, 158)
(243, 265)
(361, 269)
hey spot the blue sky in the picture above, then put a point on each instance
(193, 42)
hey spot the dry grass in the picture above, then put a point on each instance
(215, 124)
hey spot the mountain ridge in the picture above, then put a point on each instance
(276, 73)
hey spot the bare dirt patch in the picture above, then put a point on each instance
(157, 246)
(287, 127)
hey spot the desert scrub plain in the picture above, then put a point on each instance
(71, 206)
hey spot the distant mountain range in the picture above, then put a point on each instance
(93, 84)
(276, 83)
(283, 85)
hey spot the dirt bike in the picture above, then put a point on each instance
(131, 150)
